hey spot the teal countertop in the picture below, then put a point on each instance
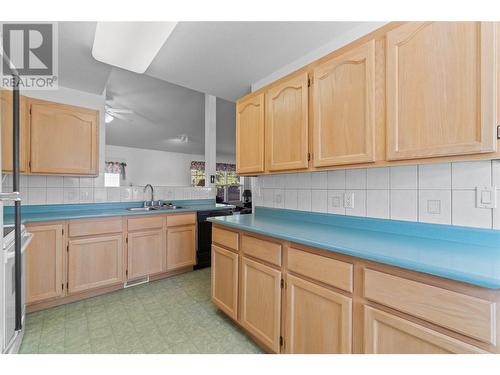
(463, 254)
(80, 211)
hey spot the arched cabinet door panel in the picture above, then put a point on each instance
(250, 135)
(441, 97)
(344, 108)
(287, 124)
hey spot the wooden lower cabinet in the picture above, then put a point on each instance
(318, 320)
(94, 262)
(45, 263)
(225, 280)
(181, 248)
(261, 302)
(146, 253)
(385, 333)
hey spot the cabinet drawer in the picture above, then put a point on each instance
(185, 219)
(146, 222)
(326, 270)
(225, 238)
(261, 249)
(468, 315)
(93, 227)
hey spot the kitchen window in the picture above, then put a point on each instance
(227, 182)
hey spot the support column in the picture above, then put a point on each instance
(210, 139)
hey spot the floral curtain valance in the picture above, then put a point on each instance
(224, 167)
(116, 167)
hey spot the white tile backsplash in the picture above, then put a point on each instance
(55, 181)
(434, 193)
(319, 180)
(336, 179)
(359, 199)
(71, 182)
(469, 174)
(279, 198)
(465, 213)
(434, 206)
(319, 200)
(377, 178)
(55, 195)
(304, 200)
(36, 190)
(291, 199)
(336, 202)
(403, 205)
(434, 176)
(355, 179)
(377, 204)
(37, 195)
(404, 177)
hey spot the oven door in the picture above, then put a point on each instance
(9, 283)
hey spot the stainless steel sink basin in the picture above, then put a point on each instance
(140, 209)
(168, 207)
(154, 208)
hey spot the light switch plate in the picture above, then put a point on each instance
(349, 200)
(486, 197)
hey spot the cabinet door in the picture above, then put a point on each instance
(388, 334)
(261, 302)
(250, 135)
(440, 89)
(181, 250)
(7, 134)
(225, 280)
(63, 139)
(287, 124)
(344, 108)
(44, 263)
(318, 320)
(146, 253)
(94, 263)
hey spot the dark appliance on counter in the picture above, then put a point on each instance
(204, 248)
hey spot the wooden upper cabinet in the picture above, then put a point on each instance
(287, 124)
(344, 108)
(64, 139)
(250, 135)
(7, 132)
(440, 89)
(45, 263)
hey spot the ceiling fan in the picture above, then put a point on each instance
(120, 113)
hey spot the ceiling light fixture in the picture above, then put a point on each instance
(108, 118)
(179, 139)
(130, 45)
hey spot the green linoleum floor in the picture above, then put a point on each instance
(172, 315)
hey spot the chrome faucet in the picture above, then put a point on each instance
(152, 201)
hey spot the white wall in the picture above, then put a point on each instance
(335, 43)
(409, 193)
(156, 167)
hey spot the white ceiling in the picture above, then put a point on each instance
(219, 58)
(225, 58)
(162, 111)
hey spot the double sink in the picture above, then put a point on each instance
(167, 207)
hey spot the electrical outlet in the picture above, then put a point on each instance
(486, 197)
(349, 200)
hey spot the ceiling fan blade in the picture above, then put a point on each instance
(120, 110)
(119, 116)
